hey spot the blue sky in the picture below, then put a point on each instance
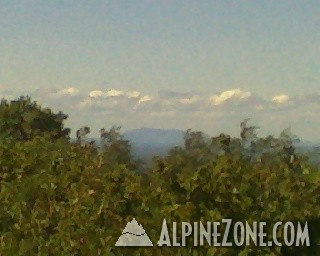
(168, 63)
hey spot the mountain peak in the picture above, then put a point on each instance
(155, 136)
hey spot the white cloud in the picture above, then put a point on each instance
(280, 99)
(182, 109)
(144, 99)
(133, 94)
(97, 94)
(71, 91)
(219, 99)
(114, 93)
(113, 100)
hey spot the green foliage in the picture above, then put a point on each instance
(24, 119)
(59, 198)
(114, 149)
(61, 203)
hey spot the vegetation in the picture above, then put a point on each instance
(63, 198)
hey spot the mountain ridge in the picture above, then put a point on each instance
(156, 136)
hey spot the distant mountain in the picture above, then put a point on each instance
(156, 137)
(149, 142)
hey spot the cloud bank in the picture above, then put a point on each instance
(174, 109)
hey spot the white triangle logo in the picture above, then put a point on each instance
(133, 235)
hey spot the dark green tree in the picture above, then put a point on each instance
(23, 119)
(115, 149)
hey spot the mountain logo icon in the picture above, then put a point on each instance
(134, 235)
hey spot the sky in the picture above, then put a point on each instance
(181, 64)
